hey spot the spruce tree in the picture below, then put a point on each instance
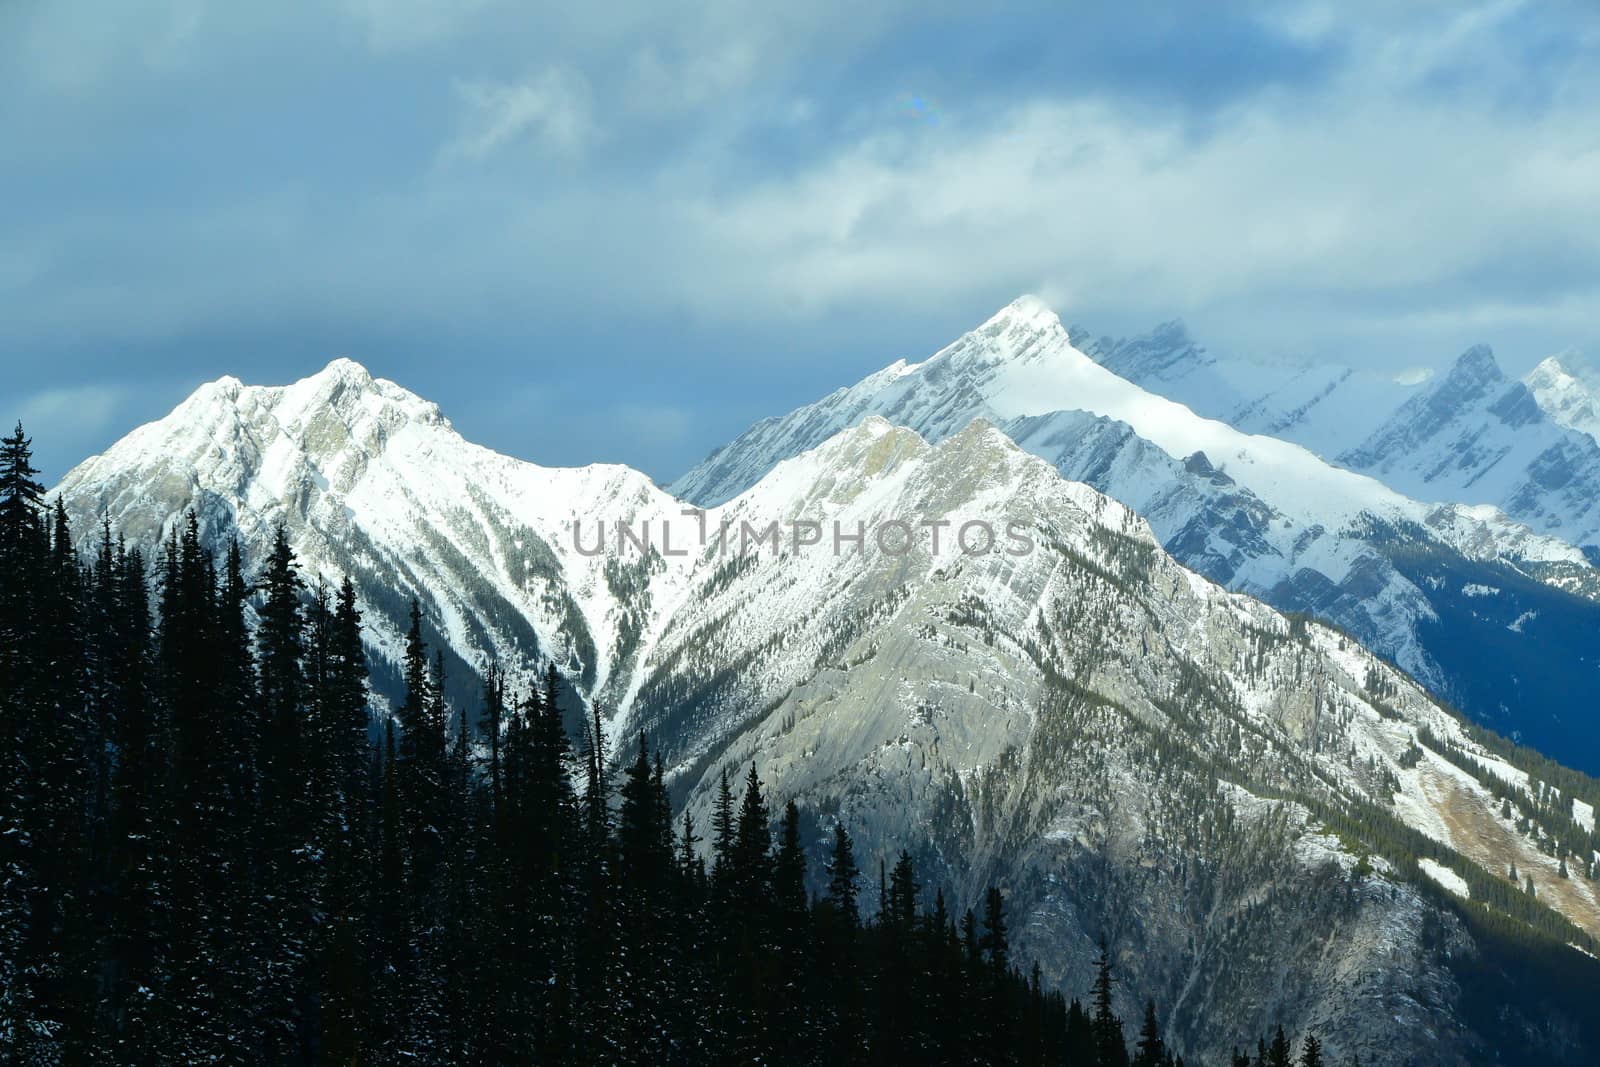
(751, 866)
(996, 942)
(1279, 1053)
(722, 827)
(26, 1017)
(20, 489)
(1151, 1050)
(843, 875)
(903, 889)
(278, 992)
(1110, 1048)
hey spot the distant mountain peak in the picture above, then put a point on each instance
(1029, 306)
(1566, 386)
(1174, 331)
(1167, 352)
(1570, 362)
(1474, 368)
(343, 389)
(1026, 312)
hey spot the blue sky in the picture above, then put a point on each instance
(626, 233)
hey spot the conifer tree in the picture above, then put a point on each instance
(903, 889)
(843, 874)
(345, 831)
(996, 942)
(293, 899)
(691, 868)
(1151, 1050)
(752, 844)
(20, 490)
(1110, 1048)
(28, 1021)
(791, 913)
(722, 827)
(1279, 1054)
(789, 871)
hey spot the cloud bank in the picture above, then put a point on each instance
(718, 212)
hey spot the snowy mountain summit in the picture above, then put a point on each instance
(373, 482)
(1254, 512)
(1567, 388)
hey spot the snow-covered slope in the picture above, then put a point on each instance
(1325, 407)
(1567, 389)
(372, 481)
(1259, 514)
(1469, 435)
(1474, 434)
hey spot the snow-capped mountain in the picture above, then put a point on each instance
(1567, 389)
(1470, 435)
(1126, 747)
(1259, 514)
(1327, 408)
(1475, 435)
(373, 482)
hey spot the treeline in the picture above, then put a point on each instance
(209, 854)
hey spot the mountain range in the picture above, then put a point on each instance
(1470, 434)
(1105, 712)
(1457, 593)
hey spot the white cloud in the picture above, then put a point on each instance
(1396, 197)
(1323, 199)
(552, 109)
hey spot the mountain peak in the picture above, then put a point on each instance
(982, 432)
(1027, 312)
(1476, 363)
(1166, 353)
(1174, 332)
(225, 389)
(1566, 387)
(347, 391)
(1473, 379)
(346, 371)
(1028, 304)
(1569, 363)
